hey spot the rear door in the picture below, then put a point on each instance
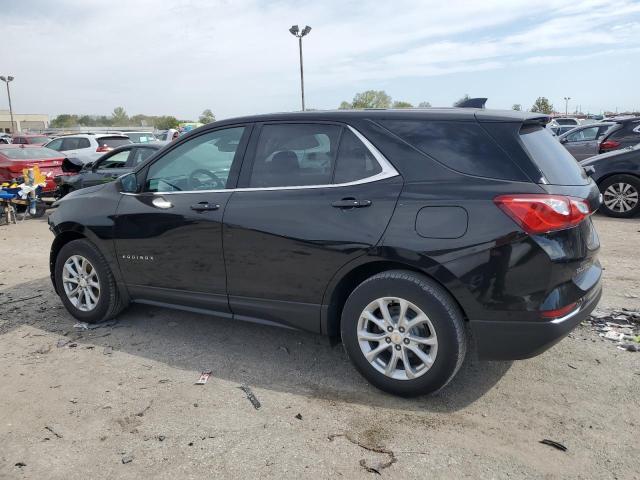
(583, 143)
(312, 197)
(168, 237)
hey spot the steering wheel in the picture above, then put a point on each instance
(194, 182)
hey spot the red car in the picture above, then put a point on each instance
(15, 158)
(30, 139)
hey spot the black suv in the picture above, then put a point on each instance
(398, 232)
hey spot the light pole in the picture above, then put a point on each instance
(295, 31)
(566, 106)
(6, 80)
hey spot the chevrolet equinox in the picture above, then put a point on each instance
(401, 233)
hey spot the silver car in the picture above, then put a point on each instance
(584, 141)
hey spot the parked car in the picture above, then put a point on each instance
(617, 174)
(5, 138)
(106, 169)
(394, 231)
(88, 147)
(584, 141)
(141, 137)
(15, 158)
(562, 121)
(28, 139)
(625, 133)
(558, 130)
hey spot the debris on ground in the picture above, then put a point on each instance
(204, 376)
(108, 350)
(127, 459)
(53, 431)
(81, 326)
(371, 448)
(299, 416)
(20, 464)
(554, 444)
(621, 326)
(250, 396)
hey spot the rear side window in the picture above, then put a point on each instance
(583, 135)
(355, 161)
(141, 154)
(293, 155)
(462, 146)
(552, 159)
(74, 143)
(112, 142)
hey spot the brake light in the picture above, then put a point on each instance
(539, 213)
(608, 145)
(104, 148)
(558, 312)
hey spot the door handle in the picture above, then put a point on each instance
(205, 206)
(351, 203)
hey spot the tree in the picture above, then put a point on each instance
(401, 104)
(542, 105)
(64, 120)
(462, 99)
(517, 107)
(120, 116)
(424, 105)
(86, 121)
(371, 99)
(344, 105)
(165, 122)
(207, 116)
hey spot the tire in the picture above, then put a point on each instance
(445, 326)
(626, 185)
(109, 302)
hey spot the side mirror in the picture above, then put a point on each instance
(129, 183)
(563, 140)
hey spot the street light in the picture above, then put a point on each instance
(566, 106)
(295, 31)
(6, 80)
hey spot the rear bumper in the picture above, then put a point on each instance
(516, 340)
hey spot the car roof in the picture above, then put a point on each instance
(584, 127)
(455, 114)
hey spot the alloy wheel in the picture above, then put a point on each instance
(621, 197)
(397, 338)
(81, 283)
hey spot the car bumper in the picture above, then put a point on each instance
(515, 340)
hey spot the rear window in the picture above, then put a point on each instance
(553, 160)
(142, 137)
(566, 121)
(462, 146)
(113, 142)
(29, 153)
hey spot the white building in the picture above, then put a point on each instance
(23, 121)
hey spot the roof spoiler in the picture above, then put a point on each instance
(472, 103)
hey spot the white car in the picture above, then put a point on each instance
(88, 147)
(562, 121)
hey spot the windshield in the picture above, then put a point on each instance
(143, 137)
(29, 153)
(113, 142)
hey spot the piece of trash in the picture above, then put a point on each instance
(613, 335)
(190, 444)
(163, 380)
(53, 431)
(250, 396)
(62, 342)
(81, 326)
(20, 464)
(204, 376)
(108, 350)
(43, 350)
(299, 416)
(161, 438)
(127, 459)
(571, 366)
(72, 345)
(553, 444)
(74, 400)
(630, 347)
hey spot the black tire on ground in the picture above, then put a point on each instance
(435, 302)
(109, 302)
(634, 184)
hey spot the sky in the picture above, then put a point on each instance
(237, 57)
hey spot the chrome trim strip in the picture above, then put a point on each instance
(388, 171)
(568, 315)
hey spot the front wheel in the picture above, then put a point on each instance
(85, 283)
(404, 333)
(620, 196)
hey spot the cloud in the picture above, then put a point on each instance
(237, 56)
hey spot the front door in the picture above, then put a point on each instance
(583, 143)
(316, 197)
(169, 236)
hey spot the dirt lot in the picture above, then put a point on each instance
(126, 393)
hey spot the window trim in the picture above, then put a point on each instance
(388, 171)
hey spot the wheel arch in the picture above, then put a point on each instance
(352, 275)
(60, 241)
(607, 176)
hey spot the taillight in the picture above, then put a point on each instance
(104, 148)
(558, 312)
(608, 145)
(539, 213)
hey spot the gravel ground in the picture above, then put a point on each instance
(120, 401)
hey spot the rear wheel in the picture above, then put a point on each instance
(404, 333)
(85, 283)
(621, 196)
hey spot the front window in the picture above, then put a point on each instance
(583, 135)
(202, 163)
(117, 160)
